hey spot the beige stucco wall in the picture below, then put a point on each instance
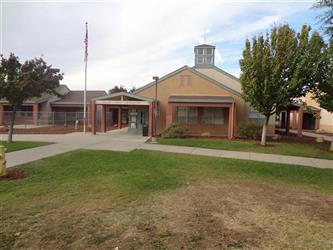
(326, 118)
(197, 86)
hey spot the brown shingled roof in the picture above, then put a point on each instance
(76, 96)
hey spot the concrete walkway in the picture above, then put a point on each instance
(308, 134)
(113, 140)
(293, 160)
(122, 141)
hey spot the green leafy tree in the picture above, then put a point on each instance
(326, 18)
(323, 91)
(117, 89)
(278, 68)
(20, 82)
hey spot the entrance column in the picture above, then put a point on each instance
(1, 114)
(231, 124)
(103, 114)
(93, 117)
(88, 116)
(150, 120)
(300, 121)
(119, 117)
(295, 125)
(35, 114)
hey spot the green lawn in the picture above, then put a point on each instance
(20, 145)
(296, 149)
(156, 200)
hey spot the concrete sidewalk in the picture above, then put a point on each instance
(122, 141)
(293, 160)
(115, 141)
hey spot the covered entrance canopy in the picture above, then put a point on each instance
(300, 117)
(126, 109)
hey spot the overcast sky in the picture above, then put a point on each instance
(130, 41)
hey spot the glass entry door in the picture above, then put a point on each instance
(137, 118)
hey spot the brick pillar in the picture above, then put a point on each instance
(88, 116)
(119, 117)
(300, 121)
(103, 114)
(169, 115)
(293, 121)
(93, 117)
(1, 114)
(232, 120)
(35, 114)
(150, 120)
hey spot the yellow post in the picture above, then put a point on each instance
(2, 160)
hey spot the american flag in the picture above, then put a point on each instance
(86, 44)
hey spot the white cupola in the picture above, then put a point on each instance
(204, 55)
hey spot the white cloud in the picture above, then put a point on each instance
(130, 41)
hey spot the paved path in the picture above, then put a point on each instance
(114, 140)
(122, 141)
(294, 160)
(309, 134)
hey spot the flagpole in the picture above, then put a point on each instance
(85, 81)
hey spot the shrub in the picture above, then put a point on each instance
(175, 131)
(249, 130)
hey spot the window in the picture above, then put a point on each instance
(209, 51)
(187, 115)
(200, 59)
(181, 114)
(192, 115)
(213, 116)
(200, 51)
(209, 59)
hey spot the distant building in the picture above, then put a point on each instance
(65, 100)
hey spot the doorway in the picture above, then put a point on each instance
(138, 118)
(309, 121)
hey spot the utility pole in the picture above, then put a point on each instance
(85, 80)
(156, 78)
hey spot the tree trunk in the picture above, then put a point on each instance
(287, 121)
(331, 147)
(264, 130)
(11, 126)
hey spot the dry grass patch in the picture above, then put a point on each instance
(202, 215)
(221, 215)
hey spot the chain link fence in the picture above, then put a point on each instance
(28, 119)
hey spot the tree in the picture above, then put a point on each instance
(132, 90)
(117, 89)
(323, 91)
(326, 18)
(20, 82)
(278, 68)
